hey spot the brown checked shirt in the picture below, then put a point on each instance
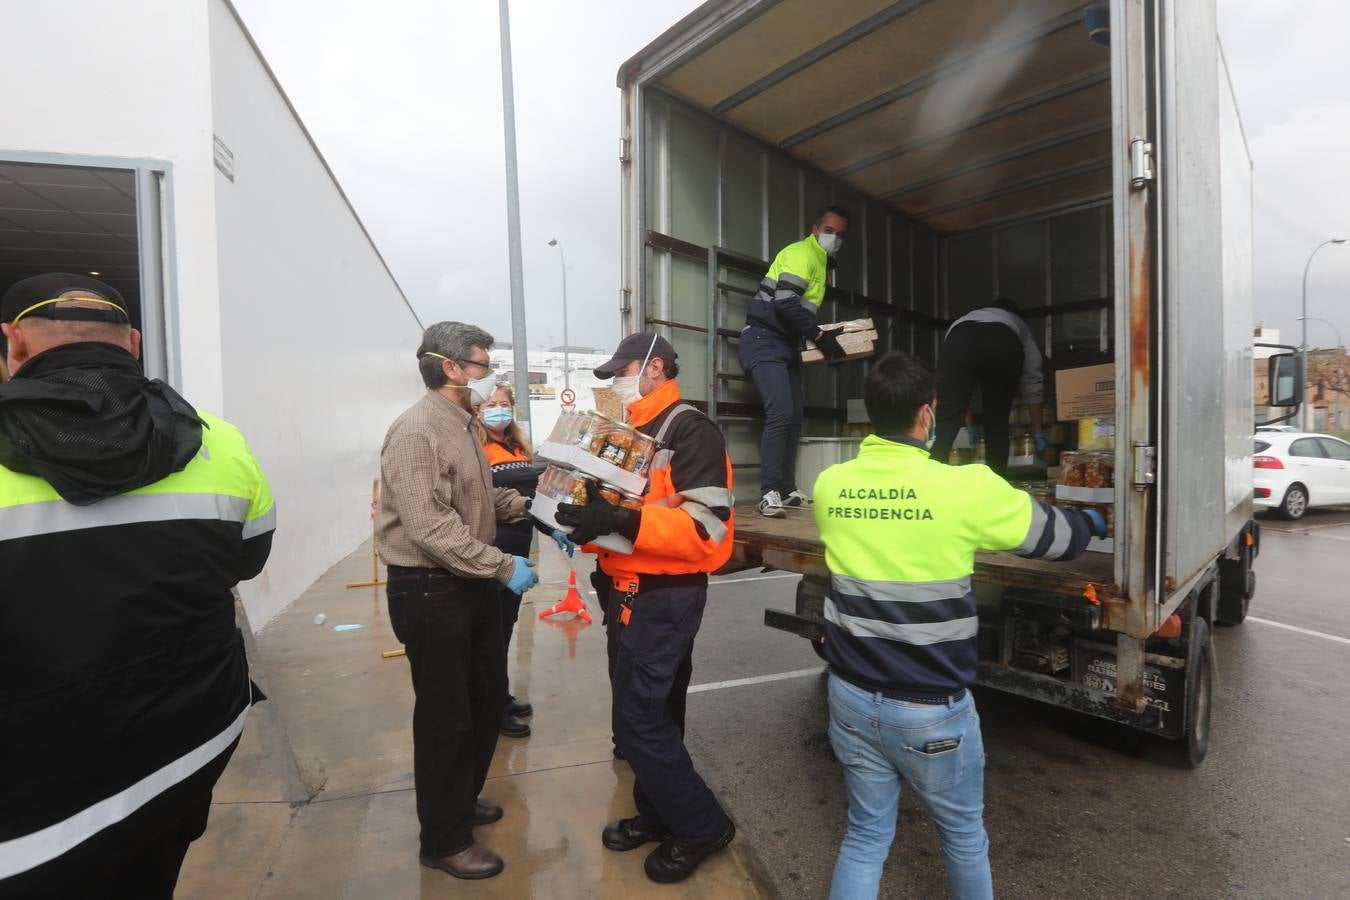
(438, 507)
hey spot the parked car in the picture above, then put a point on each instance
(1296, 471)
(1288, 429)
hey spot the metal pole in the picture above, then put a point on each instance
(567, 366)
(519, 346)
(1339, 342)
(1303, 342)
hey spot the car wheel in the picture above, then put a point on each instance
(1295, 502)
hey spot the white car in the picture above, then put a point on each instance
(1297, 470)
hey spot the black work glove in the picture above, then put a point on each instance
(598, 517)
(827, 342)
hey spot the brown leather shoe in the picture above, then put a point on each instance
(471, 863)
(485, 812)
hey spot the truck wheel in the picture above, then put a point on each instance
(1237, 586)
(1199, 693)
(1295, 502)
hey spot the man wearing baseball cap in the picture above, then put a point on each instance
(126, 517)
(657, 593)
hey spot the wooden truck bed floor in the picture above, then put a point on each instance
(793, 545)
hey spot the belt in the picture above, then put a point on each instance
(931, 699)
(641, 584)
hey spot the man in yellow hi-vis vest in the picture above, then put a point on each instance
(900, 533)
(784, 311)
(126, 517)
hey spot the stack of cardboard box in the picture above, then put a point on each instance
(857, 337)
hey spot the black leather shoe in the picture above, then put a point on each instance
(618, 754)
(676, 859)
(485, 812)
(472, 863)
(630, 834)
(513, 727)
(518, 708)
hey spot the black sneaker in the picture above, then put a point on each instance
(630, 834)
(676, 859)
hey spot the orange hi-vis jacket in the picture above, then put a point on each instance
(687, 523)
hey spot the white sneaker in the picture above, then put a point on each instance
(771, 506)
(797, 500)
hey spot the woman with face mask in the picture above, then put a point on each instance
(512, 461)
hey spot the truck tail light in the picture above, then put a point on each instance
(1267, 462)
(1261, 493)
(1170, 628)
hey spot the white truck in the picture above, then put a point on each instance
(1086, 160)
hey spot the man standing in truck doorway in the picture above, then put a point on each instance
(990, 348)
(786, 310)
(900, 533)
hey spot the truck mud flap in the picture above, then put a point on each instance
(802, 626)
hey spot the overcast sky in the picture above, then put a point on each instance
(404, 100)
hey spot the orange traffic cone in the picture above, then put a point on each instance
(571, 601)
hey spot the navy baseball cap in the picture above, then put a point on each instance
(640, 346)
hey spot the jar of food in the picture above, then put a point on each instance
(630, 501)
(610, 494)
(1099, 470)
(614, 446)
(978, 454)
(640, 454)
(590, 428)
(1071, 469)
(578, 490)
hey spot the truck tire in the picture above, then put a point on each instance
(1295, 502)
(1199, 694)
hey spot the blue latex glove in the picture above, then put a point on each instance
(1039, 439)
(1098, 522)
(564, 542)
(973, 434)
(523, 577)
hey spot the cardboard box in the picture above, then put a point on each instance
(856, 345)
(1086, 392)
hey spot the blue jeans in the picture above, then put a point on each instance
(880, 742)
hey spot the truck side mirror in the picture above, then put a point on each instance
(1286, 379)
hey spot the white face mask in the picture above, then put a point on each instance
(481, 389)
(932, 429)
(830, 243)
(626, 386)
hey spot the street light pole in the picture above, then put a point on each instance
(519, 345)
(567, 367)
(1305, 319)
(1303, 343)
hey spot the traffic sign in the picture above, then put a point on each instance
(569, 397)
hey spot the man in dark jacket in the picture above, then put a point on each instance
(126, 517)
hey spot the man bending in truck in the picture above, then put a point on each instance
(900, 533)
(784, 311)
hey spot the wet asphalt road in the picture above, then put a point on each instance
(1074, 807)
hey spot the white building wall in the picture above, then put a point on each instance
(98, 79)
(318, 341)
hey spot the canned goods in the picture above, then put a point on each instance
(1099, 470)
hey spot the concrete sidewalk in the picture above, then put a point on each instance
(318, 800)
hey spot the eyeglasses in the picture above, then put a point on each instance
(485, 365)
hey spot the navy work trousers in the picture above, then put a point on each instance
(654, 647)
(775, 366)
(984, 355)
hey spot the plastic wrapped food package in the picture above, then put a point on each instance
(1072, 469)
(1099, 470)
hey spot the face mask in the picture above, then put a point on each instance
(626, 386)
(830, 243)
(481, 389)
(498, 417)
(932, 430)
